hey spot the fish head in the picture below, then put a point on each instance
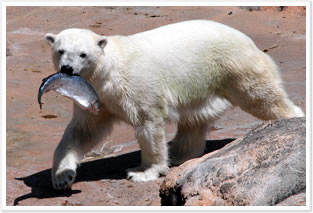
(76, 51)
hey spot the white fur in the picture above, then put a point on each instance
(189, 73)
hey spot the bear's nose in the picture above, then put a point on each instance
(67, 69)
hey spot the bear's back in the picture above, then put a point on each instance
(202, 32)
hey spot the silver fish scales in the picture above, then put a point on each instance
(73, 87)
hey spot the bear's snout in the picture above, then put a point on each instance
(67, 69)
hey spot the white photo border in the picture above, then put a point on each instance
(307, 208)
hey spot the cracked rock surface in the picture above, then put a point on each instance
(265, 168)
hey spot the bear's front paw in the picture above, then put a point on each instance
(63, 179)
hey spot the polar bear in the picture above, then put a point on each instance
(188, 73)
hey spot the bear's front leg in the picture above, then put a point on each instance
(83, 133)
(67, 157)
(154, 153)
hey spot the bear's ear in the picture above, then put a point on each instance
(50, 38)
(102, 42)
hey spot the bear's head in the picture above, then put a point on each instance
(76, 51)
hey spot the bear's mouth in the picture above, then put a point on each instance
(70, 74)
(69, 70)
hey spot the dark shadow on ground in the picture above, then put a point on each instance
(108, 168)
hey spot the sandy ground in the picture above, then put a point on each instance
(32, 135)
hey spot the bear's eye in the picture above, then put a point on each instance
(83, 55)
(61, 52)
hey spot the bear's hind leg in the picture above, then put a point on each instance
(188, 143)
(154, 154)
(263, 98)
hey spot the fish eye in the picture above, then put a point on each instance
(61, 52)
(83, 55)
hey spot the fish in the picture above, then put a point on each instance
(73, 87)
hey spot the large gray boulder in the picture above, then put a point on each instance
(266, 167)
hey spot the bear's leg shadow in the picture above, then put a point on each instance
(79, 137)
(188, 143)
(154, 153)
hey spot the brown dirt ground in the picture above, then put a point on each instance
(32, 135)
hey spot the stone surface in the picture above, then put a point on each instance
(265, 168)
(32, 135)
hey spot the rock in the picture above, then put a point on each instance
(266, 167)
(294, 200)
